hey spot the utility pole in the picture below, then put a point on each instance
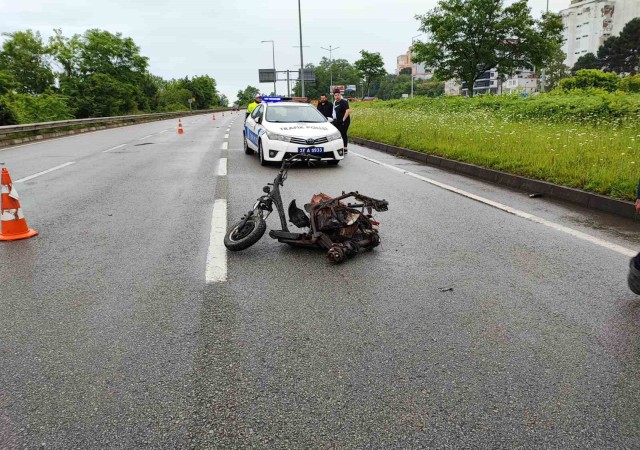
(412, 41)
(301, 60)
(275, 75)
(330, 50)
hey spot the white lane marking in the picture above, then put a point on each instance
(226, 136)
(516, 212)
(222, 167)
(216, 270)
(225, 146)
(31, 177)
(163, 131)
(142, 138)
(113, 148)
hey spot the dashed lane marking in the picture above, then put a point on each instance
(31, 177)
(222, 167)
(225, 146)
(216, 270)
(114, 148)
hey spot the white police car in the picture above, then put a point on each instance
(277, 129)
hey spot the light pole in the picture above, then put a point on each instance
(412, 41)
(301, 61)
(330, 50)
(275, 76)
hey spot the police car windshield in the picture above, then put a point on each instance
(289, 114)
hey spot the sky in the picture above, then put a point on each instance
(222, 39)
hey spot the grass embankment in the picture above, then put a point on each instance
(585, 140)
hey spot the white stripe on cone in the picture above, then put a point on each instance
(12, 214)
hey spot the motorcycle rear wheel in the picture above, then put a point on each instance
(238, 239)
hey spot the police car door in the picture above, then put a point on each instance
(251, 126)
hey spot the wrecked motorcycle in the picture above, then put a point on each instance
(343, 229)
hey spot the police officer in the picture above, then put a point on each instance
(253, 105)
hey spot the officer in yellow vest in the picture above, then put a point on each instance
(254, 105)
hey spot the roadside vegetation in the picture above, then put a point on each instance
(94, 74)
(583, 138)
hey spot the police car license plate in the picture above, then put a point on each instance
(310, 149)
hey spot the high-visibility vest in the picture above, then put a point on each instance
(251, 107)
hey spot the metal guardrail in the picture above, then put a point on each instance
(10, 129)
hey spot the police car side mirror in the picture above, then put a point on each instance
(259, 119)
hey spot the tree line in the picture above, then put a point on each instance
(367, 74)
(94, 74)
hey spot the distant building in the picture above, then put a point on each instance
(491, 82)
(523, 80)
(419, 71)
(588, 23)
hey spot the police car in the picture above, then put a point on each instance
(278, 128)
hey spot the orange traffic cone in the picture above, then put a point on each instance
(13, 225)
(180, 130)
(214, 117)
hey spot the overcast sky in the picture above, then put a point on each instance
(222, 38)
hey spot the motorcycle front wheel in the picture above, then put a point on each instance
(238, 238)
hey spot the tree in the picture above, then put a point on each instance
(247, 96)
(94, 63)
(28, 61)
(621, 54)
(469, 37)
(203, 89)
(341, 72)
(556, 70)
(370, 67)
(586, 61)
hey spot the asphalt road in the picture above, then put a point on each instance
(111, 337)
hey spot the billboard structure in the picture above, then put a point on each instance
(266, 75)
(271, 76)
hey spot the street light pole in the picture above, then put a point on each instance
(275, 76)
(330, 50)
(412, 41)
(301, 60)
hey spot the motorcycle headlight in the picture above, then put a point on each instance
(334, 136)
(278, 137)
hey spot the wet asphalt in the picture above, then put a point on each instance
(467, 328)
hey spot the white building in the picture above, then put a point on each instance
(588, 23)
(491, 82)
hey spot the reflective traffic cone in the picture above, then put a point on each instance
(180, 130)
(214, 117)
(13, 225)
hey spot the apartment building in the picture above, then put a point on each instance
(588, 23)
(419, 71)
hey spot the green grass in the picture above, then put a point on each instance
(588, 141)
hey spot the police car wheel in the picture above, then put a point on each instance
(247, 149)
(263, 162)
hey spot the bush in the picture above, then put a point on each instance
(591, 78)
(7, 116)
(630, 84)
(37, 108)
